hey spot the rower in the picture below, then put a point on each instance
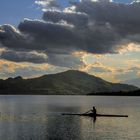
(94, 111)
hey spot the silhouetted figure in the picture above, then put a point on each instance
(94, 111)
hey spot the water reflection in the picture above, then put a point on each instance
(48, 123)
(66, 129)
(59, 127)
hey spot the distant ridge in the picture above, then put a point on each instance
(135, 82)
(70, 82)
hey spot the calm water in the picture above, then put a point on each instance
(39, 118)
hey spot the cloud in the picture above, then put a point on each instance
(135, 69)
(101, 27)
(97, 67)
(26, 70)
(77, 19)
(130, 73)
(12, 38)
(33, 57)
(131, 47)
(65, 60)
(48, 4)
(49, 36)
(100, 69)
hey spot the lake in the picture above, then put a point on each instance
(39, 118)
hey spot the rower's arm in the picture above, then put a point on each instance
(88, 111)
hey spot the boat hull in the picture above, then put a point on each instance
(97, 115)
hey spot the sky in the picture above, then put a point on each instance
(100, 37)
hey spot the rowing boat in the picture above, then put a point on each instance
(93, 115)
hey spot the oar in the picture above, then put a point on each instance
(87, 112)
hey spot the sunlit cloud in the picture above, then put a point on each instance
(48, 4)
(27, 70)
(131, 47)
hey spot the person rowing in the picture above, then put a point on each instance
(93, 111)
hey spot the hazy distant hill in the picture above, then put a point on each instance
(65, 83)
(135, 82)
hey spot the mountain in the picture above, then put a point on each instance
(71, 82)
(135, 82)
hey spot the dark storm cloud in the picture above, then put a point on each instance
(62, 37)
(94, 27)
(40, 36)
(65, 60)
(78, 19)
(124, 18)
(33, 57)
(12, 38)
(46, 34)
